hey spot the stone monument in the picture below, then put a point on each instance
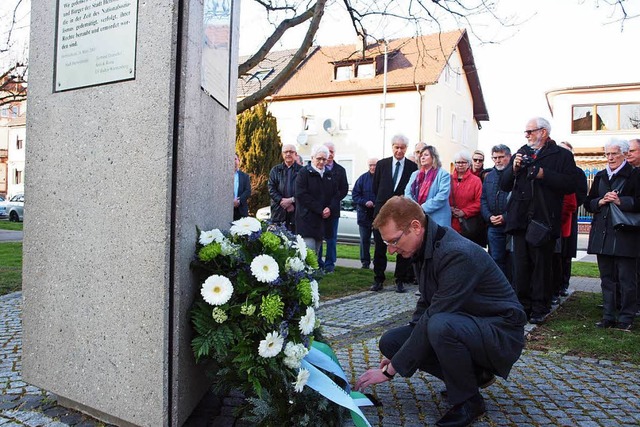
(130, 131)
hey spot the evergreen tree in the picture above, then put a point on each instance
(259, 149)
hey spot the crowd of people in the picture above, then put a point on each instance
(473, 303)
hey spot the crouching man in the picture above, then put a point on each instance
(468, 325)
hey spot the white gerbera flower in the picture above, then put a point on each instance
(216, 290)
(245, 226)
(271, 345)
(265, 268)
(301, 246)
(308, 321)
(301, 380)
(294, 354)
(315, 294)
(295, 264)
(206, 237)
(218, 236)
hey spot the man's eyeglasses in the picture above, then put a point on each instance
(321, 159)
(494, 158)
(478, 160)
(394, 242)
(289, 152)
(461, 163)
(528, 132)
(612, 154)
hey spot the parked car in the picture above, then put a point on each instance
(348, 231)
(13, 208)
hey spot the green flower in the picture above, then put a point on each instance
(304, 288)
(272, 307)
(219, 315)
(270, 241)
(311, 259)
(209, 252)
(247, 309)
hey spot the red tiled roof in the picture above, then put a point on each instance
(410, 61)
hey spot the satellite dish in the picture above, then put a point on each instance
(303, 138)
(330, 126)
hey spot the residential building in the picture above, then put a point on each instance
(12, 130)
(426, 88)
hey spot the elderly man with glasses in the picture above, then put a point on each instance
(468, 325)
(281, 184)
(538, 176)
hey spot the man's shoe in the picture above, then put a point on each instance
(638, 313)
(536, 320)
(564, 292)
(622, 326)
(365, 266)
(400, 288)
(555, 300)
(376, 287)
(605, 324)
(463, 414)
(417, 293)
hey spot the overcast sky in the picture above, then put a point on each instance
(563, 43)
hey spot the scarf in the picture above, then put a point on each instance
(422, 184)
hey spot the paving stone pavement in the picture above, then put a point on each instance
(543, 389)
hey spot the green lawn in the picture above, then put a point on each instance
(10, 267)
(7, 225)
(571, 330)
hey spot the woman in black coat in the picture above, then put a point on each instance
(317, 200)
(616, 250)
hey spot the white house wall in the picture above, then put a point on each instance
(562, 104)
(453, 101)
(16, 160)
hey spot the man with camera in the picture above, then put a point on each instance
(538, 176)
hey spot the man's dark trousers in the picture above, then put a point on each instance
(453, 351)
(532, 277)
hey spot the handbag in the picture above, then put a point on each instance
(624, 221)
(472, 227)
(538, 233)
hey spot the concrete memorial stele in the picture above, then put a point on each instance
(126, 155)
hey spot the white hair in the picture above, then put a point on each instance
(319, 148)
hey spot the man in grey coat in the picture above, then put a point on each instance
(468, 324)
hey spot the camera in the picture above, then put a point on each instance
(526, 161)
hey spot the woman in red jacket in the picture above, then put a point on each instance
(466, 189)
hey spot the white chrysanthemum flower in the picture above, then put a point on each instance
(301, 380)
(245, 226)
(315, 294)
(216, 290)
(206, 237)
(301, 246)
(308, 321)
(271, 345)
(294, 354)
(265, 268)
(295, 264)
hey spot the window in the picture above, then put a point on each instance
(447, 74)
(19, 143)
(309, 125)
(344, 72)
(9, 111)
(17, 177)
(458, 80)
(262, 74)
(345, 118)
(454, 127)
(605, 117)
(365, 71)
(465, 131)
(438, 119)
(388, 113)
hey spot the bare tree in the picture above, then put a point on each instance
(14, 16)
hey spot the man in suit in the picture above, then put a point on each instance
(468, 325)
(633, 157)
(340, 175)
(241, 192)
(391, 177)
